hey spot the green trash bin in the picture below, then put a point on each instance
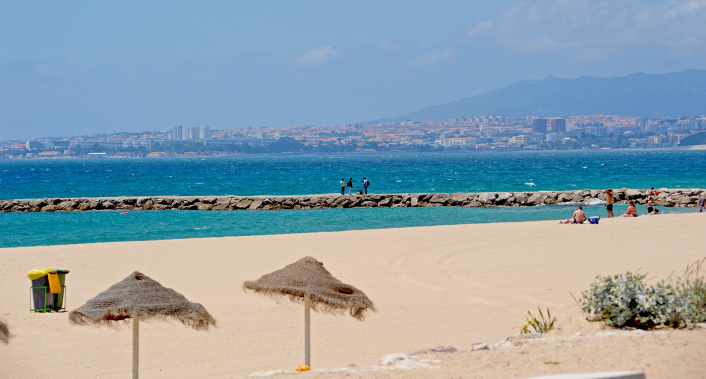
(60, 297)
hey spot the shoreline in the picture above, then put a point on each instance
(666, 198)
(683, 148)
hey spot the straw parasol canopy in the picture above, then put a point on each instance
(307, 281)
(140, 296)
(4, 333)
(308, 276)
(142, 299)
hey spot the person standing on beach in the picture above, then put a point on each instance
(366, 183)
(701, 202)
(343, 187)
(350, 186)
(609, 202)
(650, 207)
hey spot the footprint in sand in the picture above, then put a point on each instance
(420, 283)
(462, 278)
(537, 300)
(482, 301)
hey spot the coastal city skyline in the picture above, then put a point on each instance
(484, 133)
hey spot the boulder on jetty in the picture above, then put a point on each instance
(666, 198)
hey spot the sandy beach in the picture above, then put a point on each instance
(443, 285)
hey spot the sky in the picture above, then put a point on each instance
(82, 67)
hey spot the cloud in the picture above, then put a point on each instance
(597, 25)
(479, 28)
(318, 56)
(388, 45)
(433, 57)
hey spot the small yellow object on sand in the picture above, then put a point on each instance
(303, 368)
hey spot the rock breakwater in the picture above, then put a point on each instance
(666, 198)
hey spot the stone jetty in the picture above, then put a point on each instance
(666, 198)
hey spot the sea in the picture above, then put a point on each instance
(320, 174)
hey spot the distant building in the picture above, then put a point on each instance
(34, 145)
(178, 132)
(47, 144)
(118, 144)
(52, 153)
(241, 141)
(558, 125)
(539, 125)
(204, 132)
(192, 133)
(641, 123)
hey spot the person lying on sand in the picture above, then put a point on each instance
(654, 212)
(632, 210)
(578, 218)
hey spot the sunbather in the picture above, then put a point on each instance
(632, 210)
(578, 218)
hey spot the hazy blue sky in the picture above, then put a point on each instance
(80, 67)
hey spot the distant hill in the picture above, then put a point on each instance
(637, 95)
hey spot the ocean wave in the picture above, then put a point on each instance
(530, 184)
(595, 201)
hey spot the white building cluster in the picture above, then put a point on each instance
(189, 133)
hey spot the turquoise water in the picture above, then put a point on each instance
(37, 229)
(317, 174)
(321, 174)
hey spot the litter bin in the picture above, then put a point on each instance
(59, 297)
(48, 289)
(41, 298)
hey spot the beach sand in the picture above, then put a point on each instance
(442, 285)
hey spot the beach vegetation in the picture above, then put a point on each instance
(539, 325)
(625, 300)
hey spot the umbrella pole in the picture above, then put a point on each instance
(307, 343)
(135, 348)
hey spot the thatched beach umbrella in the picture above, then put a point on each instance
(140, 298)
(4, 333)
(307, 280)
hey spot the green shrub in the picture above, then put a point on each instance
(624, 300)
(540, 325)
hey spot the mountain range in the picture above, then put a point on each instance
(669, 95)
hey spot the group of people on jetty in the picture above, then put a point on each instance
(349, 184)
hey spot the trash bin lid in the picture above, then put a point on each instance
(36, 274)
(57, 271)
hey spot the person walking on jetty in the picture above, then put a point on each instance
(579, 217)
(350, 186)
(701, 202)
(366, 183)
(343, 187)
(609, 202)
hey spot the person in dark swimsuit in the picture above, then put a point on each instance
(609, 202)
(649, 206)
